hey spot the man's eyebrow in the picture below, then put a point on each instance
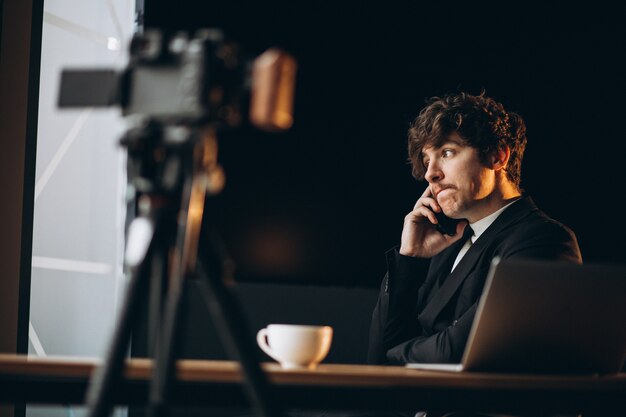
(456, 142)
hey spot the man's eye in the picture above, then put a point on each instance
(447, 153)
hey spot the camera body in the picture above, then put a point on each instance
(178, 80)
(169, 79)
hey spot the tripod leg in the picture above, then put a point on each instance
(99, 394)
(186, 238)
(236, 336)
(164, 364)
(155, 305)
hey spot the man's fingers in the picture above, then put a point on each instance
(428, 202)
(422, 211)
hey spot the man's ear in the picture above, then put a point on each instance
(500, 158)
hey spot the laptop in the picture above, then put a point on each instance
(547, 317)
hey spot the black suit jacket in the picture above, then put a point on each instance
(424, 313)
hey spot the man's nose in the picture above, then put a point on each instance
(433, 172)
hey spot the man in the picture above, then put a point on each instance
(469, 149)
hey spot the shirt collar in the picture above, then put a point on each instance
(483, 224)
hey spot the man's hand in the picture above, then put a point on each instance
(420, 238)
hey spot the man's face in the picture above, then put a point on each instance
(457, 178)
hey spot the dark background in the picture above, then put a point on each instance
(321, 203)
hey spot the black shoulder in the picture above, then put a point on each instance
(538, 236)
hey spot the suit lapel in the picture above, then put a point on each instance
(439, 269)
(454, 279)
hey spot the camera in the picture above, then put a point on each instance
(205, 79)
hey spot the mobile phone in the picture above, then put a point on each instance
(446, 225)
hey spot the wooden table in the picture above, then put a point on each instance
(63, 380)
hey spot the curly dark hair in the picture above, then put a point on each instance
(480, 121)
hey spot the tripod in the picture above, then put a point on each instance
(172, 168)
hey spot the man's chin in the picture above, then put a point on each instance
(448, 207)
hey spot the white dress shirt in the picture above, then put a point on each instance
(478, 227)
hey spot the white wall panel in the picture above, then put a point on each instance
(77, 282)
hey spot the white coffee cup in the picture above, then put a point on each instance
(295, 346)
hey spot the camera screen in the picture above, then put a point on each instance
(161, 92)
